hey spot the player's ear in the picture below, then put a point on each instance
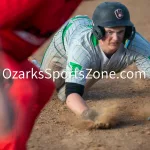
(99, 32)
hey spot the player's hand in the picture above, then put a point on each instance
(107, 119)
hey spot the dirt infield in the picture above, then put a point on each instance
(58, 129)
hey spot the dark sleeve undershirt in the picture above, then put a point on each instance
(74, 88)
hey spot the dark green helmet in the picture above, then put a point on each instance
(111, 14)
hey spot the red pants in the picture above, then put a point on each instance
(29, 96)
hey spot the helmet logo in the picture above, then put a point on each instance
(119, 13)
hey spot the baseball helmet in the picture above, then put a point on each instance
(112, 14)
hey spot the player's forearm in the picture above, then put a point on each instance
(76, 103)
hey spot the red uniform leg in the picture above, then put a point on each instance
(29, 95)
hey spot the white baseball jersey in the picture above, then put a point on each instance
(75, 49)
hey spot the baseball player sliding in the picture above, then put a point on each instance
(108, 42)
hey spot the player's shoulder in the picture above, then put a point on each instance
(82, 37)
(82, 19)
(80, 23)
(81, 29)
(140, 44)
(138, 37)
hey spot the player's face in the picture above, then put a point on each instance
(112, 40)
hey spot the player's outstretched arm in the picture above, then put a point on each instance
(90, 117)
